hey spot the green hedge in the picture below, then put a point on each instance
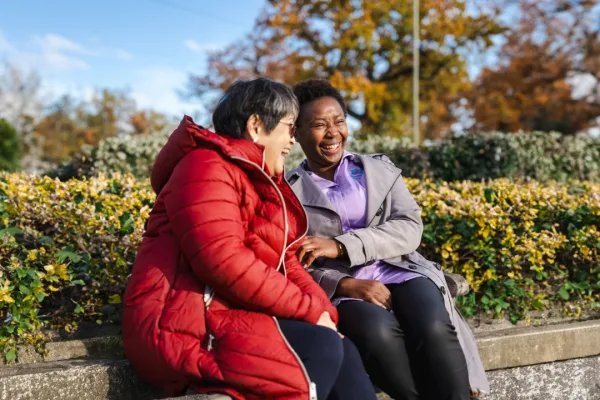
(66, 247)
(124, 154)
(10, 147)
(539, 156)
(65, 251)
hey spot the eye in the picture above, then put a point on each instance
(318, 126)
(340, 121)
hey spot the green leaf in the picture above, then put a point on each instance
(67, 254)
(10, 355)
(78, 198)
(488, 193)
(46, 241)
(563, 293)
(127, 223)
(24, 289)
(10, 231)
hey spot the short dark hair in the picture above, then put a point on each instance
(268, 99)
(312, 89)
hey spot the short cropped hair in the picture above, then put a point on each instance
(312, 89)
(268, 99)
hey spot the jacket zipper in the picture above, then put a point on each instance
(312, 387)
(285, 222)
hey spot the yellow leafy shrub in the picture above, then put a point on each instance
(521, 246)
(65, 251)
(66, 248)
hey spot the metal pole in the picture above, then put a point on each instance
(415, 82)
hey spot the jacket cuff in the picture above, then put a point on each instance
(355, 248)
(317, 308)
(329, 279)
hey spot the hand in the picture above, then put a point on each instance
(326, 321)
(314, 247)
(366, 289)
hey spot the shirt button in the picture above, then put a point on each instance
(412, 266)
(443, 289)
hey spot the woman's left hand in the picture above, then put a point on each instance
(314, 247)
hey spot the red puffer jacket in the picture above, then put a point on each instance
(216, 267)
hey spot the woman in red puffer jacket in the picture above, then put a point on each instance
(217, 300)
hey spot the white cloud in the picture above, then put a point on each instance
(196, 47)
(52, 42)
(192, 45)
(120, 54)
(583, 85)
(61, 53)
(5, 45)
(157, 87)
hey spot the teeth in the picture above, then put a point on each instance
(331, 146)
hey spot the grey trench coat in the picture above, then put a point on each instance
(393, 234)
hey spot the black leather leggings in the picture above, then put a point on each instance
(412, 352)
(332, 363)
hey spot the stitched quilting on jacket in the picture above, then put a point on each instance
(216, 267)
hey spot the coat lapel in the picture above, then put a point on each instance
(381, 177)
(308, 192)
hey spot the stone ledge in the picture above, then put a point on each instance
(575, 379)
(522, 363)
(522, 346)
(505, 348)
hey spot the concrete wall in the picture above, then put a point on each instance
(553, 362)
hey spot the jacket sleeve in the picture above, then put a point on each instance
(400, 234)
(297, 274)
(203, 204)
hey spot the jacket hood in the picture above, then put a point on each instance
(189, 136)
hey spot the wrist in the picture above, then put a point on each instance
(341, 249)
(342, 285)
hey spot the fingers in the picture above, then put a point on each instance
(306, 247)
(378, 303)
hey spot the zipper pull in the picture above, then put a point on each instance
(312, 391)
(209, 346)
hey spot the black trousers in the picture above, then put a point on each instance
(331, 362)
(412, 352)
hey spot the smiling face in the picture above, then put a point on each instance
(278, 143)
(322, 133)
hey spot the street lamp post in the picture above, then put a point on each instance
(415, 75)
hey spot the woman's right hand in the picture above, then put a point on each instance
(365, 289)
(326, 321)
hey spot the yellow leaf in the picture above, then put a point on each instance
(114, 299)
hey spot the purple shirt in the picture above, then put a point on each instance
(348, 195)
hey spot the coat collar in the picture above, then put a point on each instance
(380, 177)
(189, 136)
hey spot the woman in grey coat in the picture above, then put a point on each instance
(364, 229)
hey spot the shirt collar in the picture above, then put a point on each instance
(346, 156)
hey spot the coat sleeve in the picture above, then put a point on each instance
(400, 234)
(297, 274)
(203, 204)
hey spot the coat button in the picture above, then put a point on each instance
(412, 266)
(379, 212)
(443, 289)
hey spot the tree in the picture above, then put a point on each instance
(548, 77)
(69, 124)
(20, 105)
(364, 48)
(10, 147)
(146, 122)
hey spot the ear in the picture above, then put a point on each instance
(253, 127)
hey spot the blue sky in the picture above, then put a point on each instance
(147, 47)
